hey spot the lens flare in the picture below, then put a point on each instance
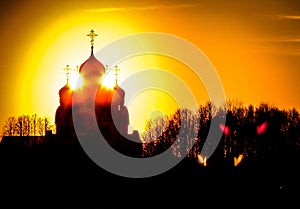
(238, 160)
(260, 129)
(225, 129)
(202, 160)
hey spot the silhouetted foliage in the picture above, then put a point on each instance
(260, 132)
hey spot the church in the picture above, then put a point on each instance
(111, 113)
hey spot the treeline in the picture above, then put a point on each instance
(26, 125)
(249, 131)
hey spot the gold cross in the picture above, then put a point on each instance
(116, 74)
(67, 69)
(92, 35)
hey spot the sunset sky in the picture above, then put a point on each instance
(253, 45)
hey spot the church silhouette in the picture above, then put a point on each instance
(111, 113)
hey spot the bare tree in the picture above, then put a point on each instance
(9, 127)
(189, 126)
(24, 125)
(153, 132)
(40, 126)
(48, 126)
(34, 124)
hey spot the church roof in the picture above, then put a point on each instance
(65, 89)
(119, 91)
(92, 66)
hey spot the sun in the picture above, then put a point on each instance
(74, 80)
(109, 80)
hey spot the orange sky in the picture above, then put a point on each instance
(254, 46)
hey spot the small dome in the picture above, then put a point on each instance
(92, 67)
(120, 91)
(65, 89)
(65, 95)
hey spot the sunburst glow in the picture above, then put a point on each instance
(109, 80)
(75, 80)
(76, 83)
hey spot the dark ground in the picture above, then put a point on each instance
(48, 178)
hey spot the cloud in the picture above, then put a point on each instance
(289, 45)
(280, 39)
(286, 40)
(145, 8)
(289, 17)
(269, 49)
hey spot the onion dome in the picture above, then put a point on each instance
(92, 68)
(65, 95)
(119, 91)
(119, 95)
(65, 89)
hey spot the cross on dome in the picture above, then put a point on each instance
(67, 69)
(116, 69)
(92, 35)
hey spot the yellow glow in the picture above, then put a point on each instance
(109, 80)
(242, 50)
(141, 112)
(76, 82)
(145, 102)
(62, 42)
